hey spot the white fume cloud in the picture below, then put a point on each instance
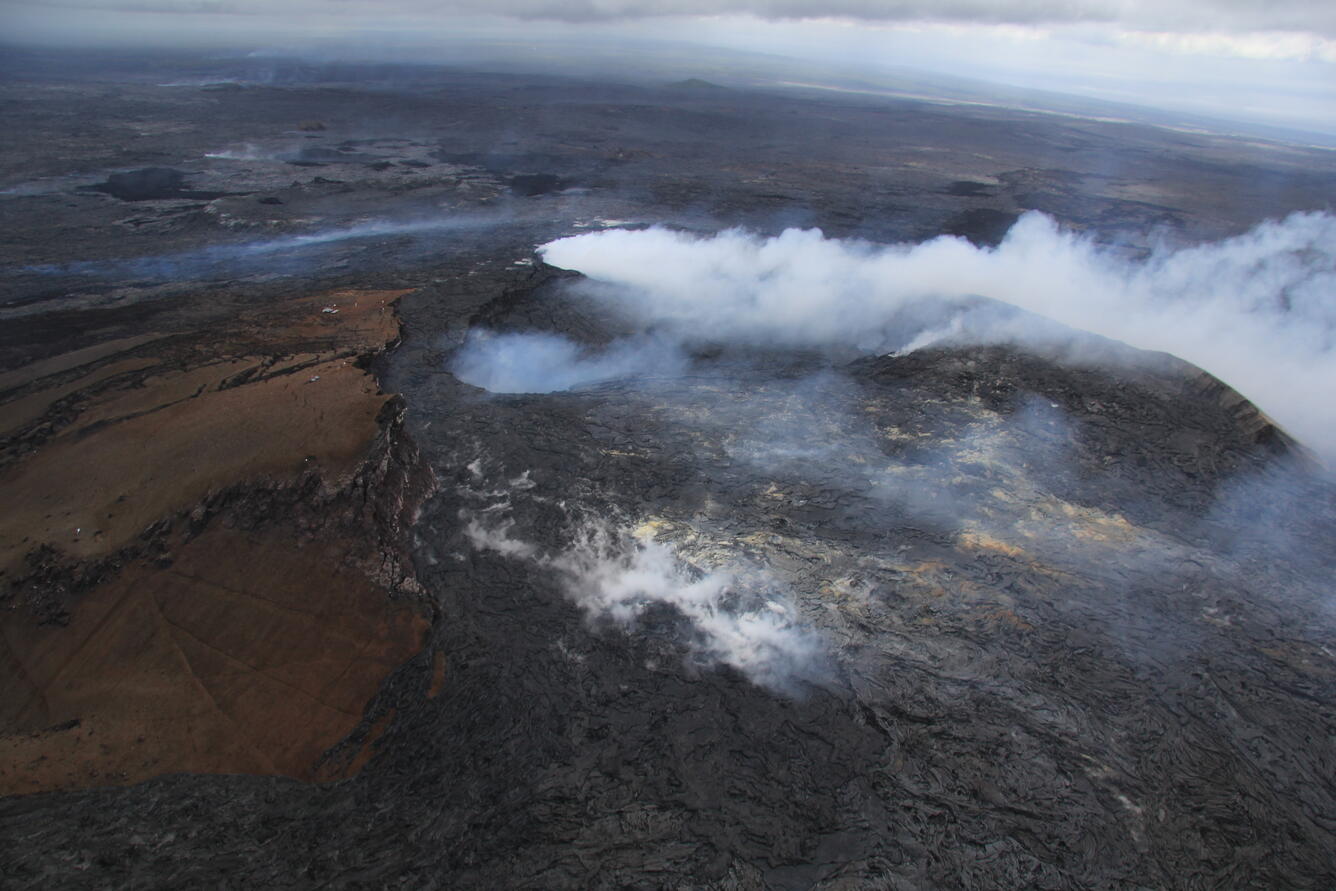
(1257, 310)
(738, 619)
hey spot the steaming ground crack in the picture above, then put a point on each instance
(737, 617)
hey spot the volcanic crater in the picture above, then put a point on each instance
(289, 602)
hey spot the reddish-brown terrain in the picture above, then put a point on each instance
(163, 617)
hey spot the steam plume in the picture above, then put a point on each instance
(741, 619)
(546, 363)
(1255, 310)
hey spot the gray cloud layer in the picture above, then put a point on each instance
(1184, 15)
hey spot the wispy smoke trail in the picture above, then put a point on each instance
(247, 152)
(1257, 310)
(371, 229)
(260, 255)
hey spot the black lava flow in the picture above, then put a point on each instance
(1069, 626)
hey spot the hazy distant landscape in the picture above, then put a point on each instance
(591, 462)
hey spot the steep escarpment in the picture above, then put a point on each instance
(204, 549)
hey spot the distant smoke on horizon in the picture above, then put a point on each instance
(292, 254)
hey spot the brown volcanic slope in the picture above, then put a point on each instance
(157, 616)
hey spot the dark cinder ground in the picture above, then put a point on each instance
(1058, 650)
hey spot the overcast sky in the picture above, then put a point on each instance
(1267, 61)
(1315, 16)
